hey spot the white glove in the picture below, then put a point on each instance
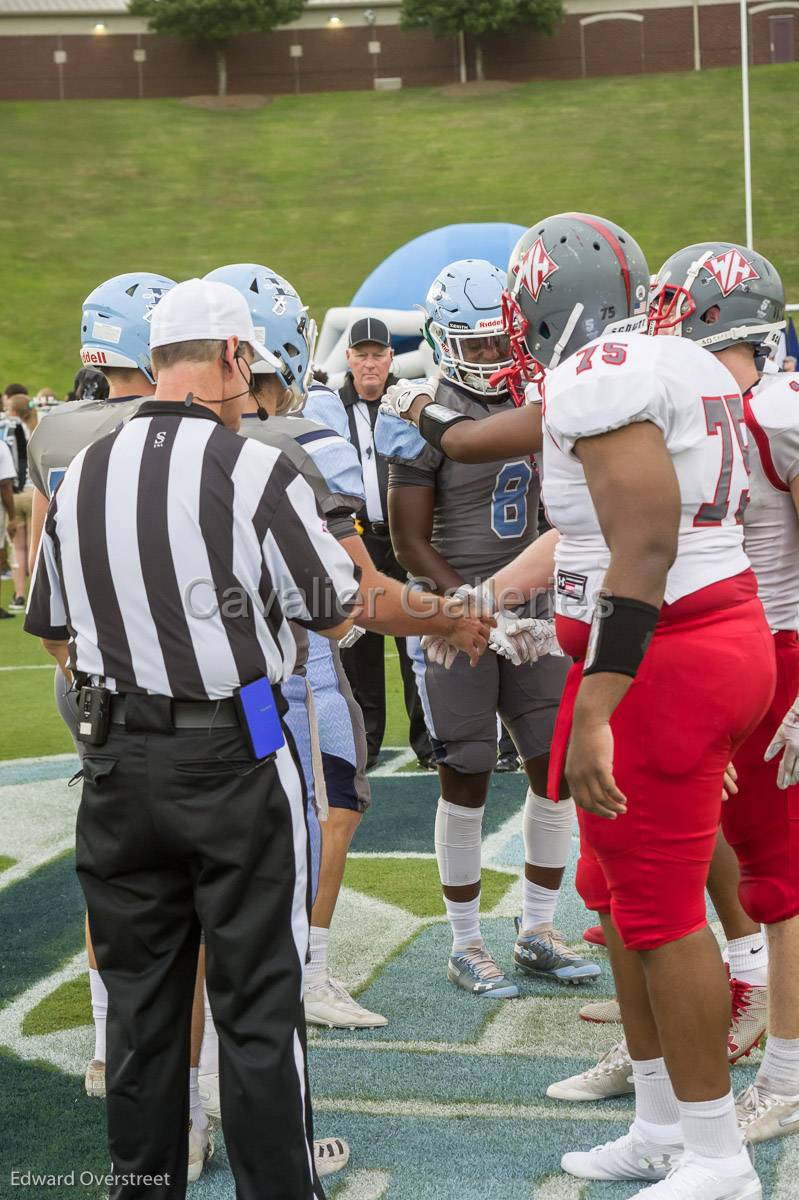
(522, 639)
(787, 739)
(351, 637)
(401, 395)
(438, 650)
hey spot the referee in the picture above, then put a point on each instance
(173, 554)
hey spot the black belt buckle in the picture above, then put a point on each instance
(94, 715)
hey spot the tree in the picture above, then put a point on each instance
(214, 21)
(456, 18)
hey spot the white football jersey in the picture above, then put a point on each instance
(695, 402)
(771, 526)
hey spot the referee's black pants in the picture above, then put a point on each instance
(169, 840)
(365, 666)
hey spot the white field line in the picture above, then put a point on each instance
(486, 1112)
(365, 1185)
(30, 667)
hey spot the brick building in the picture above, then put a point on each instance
(76, 49)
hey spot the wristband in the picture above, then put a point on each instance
(435, 420)
(620, 635)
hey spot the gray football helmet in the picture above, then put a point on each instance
(572, 277)
(718, 294)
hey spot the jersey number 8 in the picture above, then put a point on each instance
(509, 499)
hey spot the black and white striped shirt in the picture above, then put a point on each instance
(175, 552)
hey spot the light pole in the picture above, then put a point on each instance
(747, 139)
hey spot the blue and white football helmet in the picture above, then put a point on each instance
(281, 323)
(115, 326)
(464, 325)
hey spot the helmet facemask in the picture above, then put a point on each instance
(458, 359)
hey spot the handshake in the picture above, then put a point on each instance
(519, 639)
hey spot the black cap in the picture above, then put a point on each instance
(369, 329)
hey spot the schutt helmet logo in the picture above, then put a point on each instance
(730, 270)
(535, 268)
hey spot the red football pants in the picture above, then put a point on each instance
(706, 682)
(761, 823)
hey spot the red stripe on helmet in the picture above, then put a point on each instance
(617, 249)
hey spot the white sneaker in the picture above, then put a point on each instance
(329, 1003)
(209, 1094)
(763, 1115)
(330, 1155)
(695, 1180)
(201, 1150)
(94, 1079)
(601, 1012)
(612, 1076)
(629, 1157)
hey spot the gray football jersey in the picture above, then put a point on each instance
(67, 430)
(485, 513)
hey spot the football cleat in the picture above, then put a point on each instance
(543, 951)
(475, 970)
(602, 1012)
(201, 1150)
(749, 1018)
(94, 1079)
(762, 1115)
(208, 1086)
(328, 1002)
(595, 936)
(330, 1155)
(632, 1156)
(693, 1179)
(612, 1076)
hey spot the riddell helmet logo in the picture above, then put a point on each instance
(91, 358)
(535, 268)
(730, 270)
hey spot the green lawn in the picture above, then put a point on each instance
(324, 187)
(31, 726)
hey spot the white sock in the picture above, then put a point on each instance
(196, 1111)
(209, 1050)
(458, 838)
(780, 1066)
(538, 904)
(318, 945)
(710, 1127)
(748, 959)
(464, 917)
(547, 828)
(655, 1102)
(99, 1012)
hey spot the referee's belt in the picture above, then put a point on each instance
(188, 714)
(376, 528)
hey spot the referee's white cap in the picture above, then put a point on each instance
(201, 310)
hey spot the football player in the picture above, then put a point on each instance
(278, 311)
(115, 339)
(331, 464)
(646, 482)
(452, 526)
(730, 300)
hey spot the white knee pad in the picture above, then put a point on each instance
(459, 834)
(547, 828)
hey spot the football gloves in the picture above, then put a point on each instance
(786, 739)
(351, 637)
(401, 395)
(519, 639)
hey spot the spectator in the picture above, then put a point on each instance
(8, 476)
(353, 414)
(21, 408)
(13, 389)
(44, 400)
(789, 363)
